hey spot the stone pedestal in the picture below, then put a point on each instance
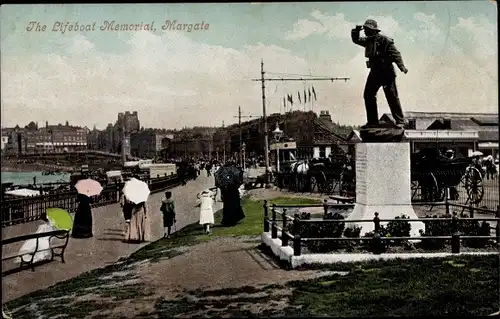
(383, 185)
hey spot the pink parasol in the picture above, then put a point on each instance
(88, 187)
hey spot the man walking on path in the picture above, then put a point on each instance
(381, 53)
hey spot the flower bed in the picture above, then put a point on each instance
(397, 228)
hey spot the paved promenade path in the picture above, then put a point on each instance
(105, 248)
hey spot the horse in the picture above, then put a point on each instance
(491, 169)
(299, 173)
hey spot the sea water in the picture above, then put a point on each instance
(26, 178)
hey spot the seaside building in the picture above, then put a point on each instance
(461, 132)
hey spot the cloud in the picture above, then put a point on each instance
(304, 28)
(336, 26)
(164, 78)
(174, 81)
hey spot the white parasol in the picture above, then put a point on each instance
(136, 191)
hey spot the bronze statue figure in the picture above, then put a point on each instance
(381, 53)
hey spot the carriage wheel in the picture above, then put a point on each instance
(328, 184)
(314, 184)
(438, 193)
(415, 186)
(430, 190)
(472, 181)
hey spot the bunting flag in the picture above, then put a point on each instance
(305, 97)
(298, 94)
(290, 99)
(314, 93)
(309, 94)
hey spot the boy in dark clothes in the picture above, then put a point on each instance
(168, 210)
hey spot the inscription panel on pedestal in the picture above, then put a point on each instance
(361, 163)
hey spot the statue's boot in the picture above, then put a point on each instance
(370, 125)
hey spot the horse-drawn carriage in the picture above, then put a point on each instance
(433, 173)
(323, 175)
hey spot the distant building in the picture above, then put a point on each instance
(315, 136)
(5, 140)
(148, 143)
(66, 137)
(54, 138)
(461, 132)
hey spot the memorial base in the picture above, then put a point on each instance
(383, 185)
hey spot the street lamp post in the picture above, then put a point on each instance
(277, 134)
(243, 146)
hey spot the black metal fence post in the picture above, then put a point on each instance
(377, 244)
(455, 243)
(274, 230)
(297, 245)
(284, 235)
(446, 200)
(325, 208)
(376, 221)
(266, 217)
(454, 222)
(497, 229)
(471, 211)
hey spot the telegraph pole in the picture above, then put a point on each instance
(241, 131)
(224, 144)
(239, 125)
(266, 130)
(264, 118)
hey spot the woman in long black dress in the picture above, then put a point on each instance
(82, 225)
(232, 212)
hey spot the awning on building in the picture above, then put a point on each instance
(488, 145)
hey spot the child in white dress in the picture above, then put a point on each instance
(206, 209)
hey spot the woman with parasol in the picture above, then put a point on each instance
(82, 225)
(137, 192)
(229, 178)
(138, 230)
(42, 249)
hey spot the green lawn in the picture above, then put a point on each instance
(465, 286)
(417, 287)
(253, 224)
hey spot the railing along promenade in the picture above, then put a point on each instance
(27, 209)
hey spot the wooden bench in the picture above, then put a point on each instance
(342, 199)
(61, 246)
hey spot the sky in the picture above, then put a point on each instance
(176, 78)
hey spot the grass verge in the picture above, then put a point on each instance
(118, 282)
(465, 286)
(253, 224)
(416, 287)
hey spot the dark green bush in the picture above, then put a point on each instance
(449, 227)
(398, 228)
(474, 228)
(436, 228)
(321, 230)
(352, 232)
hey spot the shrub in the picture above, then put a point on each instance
(449, 227)
(352, 232)
(398, 228)
(436, 228)
(474, 228)
(321, 230)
